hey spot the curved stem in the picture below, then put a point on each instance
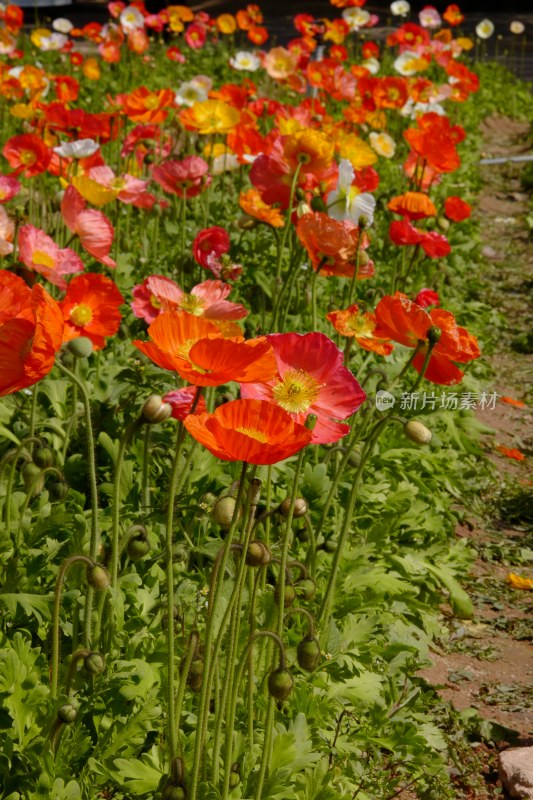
(95, 532)
(54, 667)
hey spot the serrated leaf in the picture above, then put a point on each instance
(364, 688)
(139, 776)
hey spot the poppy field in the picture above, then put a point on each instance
(242, 329)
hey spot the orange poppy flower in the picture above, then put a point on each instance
(407, 323)
(90, 309)
(196, 349)
(142, 105)
(27, 154)
(414, 205)
(252, 204)
(31, 333)
(363, 327)
(510, 452)
(332, 245)
(254, 431)
(390, 92)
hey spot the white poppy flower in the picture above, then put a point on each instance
(407, 63)
(356, 18)
(517, 27)
(188, 94)
(245, 61)
(400, 8)
(83, 148)
(372, 65)
(131, 19)
(485, 29)
(62, 25)
(346, 202)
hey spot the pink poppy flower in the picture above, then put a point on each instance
(208, 299)
(93, 227)
(7, 232)
(40, 253)
(311, 380)
(129, 190)
(195, 36)
(185, 178)
(9, 188)
(182, 400)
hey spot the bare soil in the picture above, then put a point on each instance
(487, 663)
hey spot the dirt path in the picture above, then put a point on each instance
(487, 663)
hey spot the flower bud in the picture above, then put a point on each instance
(196, 672)
(300, 507)
(43, 457)
(67, 713)
(31, 476)
(308, 653)
(362, 223)
(280, 683)
(417, 432)
(434, 334)
(171, 792)
(58, 489)
(155, 410)
(306, 588)
(289, 595)
(138, 546)
(223, 511)
(257, 554)
(443, 223)
(303, 208)
(94, 663)
(317, 204)
(81, 347)
(98, 577)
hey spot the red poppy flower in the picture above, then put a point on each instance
(254, 431)
(511, 452)
(426, 298)
(93, 227)
(195, 349)
(185, 178)
(31, 333)
(182, 401)
(363, 327)
(407, 323)
(456, 209)
(91, 309)
(210, 241)
(434, 139)
(435, 245)
(453, 15)
(27, 154)
(311, 379)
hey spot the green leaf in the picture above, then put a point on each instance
(364, 688)
(137, 776)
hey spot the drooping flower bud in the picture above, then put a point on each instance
(308, 653)
(94, 663)
(280, 683)
(417, 432)
(67, 713)
(289, 595)
(223, 511)
(98, 577)
(300, 507)
(257, 554)
(81, 347)
(155, 410)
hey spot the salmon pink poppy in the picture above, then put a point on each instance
(254, 431)
(407, 323)
(9, 188)
(91, 226)
(27, 154)
(40, 253)
(310, 379)
(185, 178)
(208, 299)
(31, 333)
(362, 326)
(128, 189)
(195, 348)
(7, 232)
(91, 308)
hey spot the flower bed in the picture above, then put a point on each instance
(239, 358)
